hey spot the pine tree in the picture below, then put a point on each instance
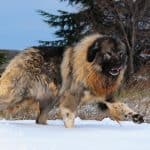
(128, 19)
(71, 26)
(2, 58)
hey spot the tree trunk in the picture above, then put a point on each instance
(130, 62)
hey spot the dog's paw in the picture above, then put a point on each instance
(137, 118)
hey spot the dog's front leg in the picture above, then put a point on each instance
(68, 106)
(120, 111)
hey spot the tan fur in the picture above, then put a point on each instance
(33, 75)
(66, 69)
(80, 65)
(53, 88)
(68, 117)
(84, 71)
(19, 107)
(28, 77)
(83, 83)
(96, 82)
(120, 111)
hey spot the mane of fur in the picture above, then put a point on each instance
(66, 68)
(80, 64)
(86, 73)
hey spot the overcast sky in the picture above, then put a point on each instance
(21, 26)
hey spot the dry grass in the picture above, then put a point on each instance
(139, 85)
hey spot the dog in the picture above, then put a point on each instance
(92, 72)
(88, 72)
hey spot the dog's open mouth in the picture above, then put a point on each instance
(115, 71)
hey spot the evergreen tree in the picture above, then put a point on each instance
(128, 19)
(2, 58)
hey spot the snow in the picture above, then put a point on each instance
(86, 135)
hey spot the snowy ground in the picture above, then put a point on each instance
(87, 135)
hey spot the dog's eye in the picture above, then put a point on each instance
(107, 55)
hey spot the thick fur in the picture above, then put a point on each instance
(89, 78)
(33, 74)
(88, 75)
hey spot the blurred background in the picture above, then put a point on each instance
(20, 24)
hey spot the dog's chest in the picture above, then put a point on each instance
(101, 86)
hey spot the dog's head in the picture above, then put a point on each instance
(108, 54)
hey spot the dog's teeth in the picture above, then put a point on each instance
(114, 73)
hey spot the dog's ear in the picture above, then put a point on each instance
(92, 50)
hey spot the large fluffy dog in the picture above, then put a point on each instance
(91, 71)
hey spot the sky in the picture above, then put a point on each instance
(20, 24)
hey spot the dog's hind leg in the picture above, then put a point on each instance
(45, 106)
(43, 114)
(47, 98)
